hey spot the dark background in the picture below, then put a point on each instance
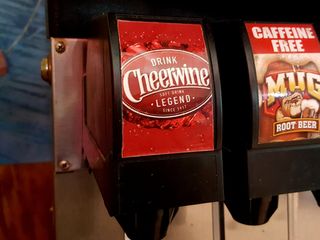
(72, 18)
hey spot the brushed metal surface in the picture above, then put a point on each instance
(292, 211)
(67, 87)
(216, 221)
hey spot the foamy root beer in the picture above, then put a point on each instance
(310, 109)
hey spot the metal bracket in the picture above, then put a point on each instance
(68, 71)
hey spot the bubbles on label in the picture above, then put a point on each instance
(201, 137)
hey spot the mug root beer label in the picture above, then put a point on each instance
(287, 62)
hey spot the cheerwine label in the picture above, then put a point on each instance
(287, 61)
(166, 83)
(166, 89)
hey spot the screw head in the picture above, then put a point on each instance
(60, 47)
(64, 165)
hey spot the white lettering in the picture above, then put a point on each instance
(307, 124)
(286, 126)
(287, 45)
(173, 101)
(164, 60)
(164, 78)
(283, 32)
(126, 87)
(153, 62)
(204, 77)
(257, 33)
(310, 33)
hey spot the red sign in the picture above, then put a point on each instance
(282, 38)
(287, 62)
(166, 89)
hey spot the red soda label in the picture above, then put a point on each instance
(166, 89)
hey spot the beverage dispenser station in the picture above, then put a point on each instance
(157, 92)
(137, 98)
(271, 114)
(175, 105)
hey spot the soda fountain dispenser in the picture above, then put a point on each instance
(270, 87)
(157, 91)
(149, 95)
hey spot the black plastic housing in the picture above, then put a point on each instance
(250, 172)
(162, 180)
(73, 18)
(254, 174)
(146, 184)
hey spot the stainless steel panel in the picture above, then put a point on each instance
(292, 209)
(67, 84)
